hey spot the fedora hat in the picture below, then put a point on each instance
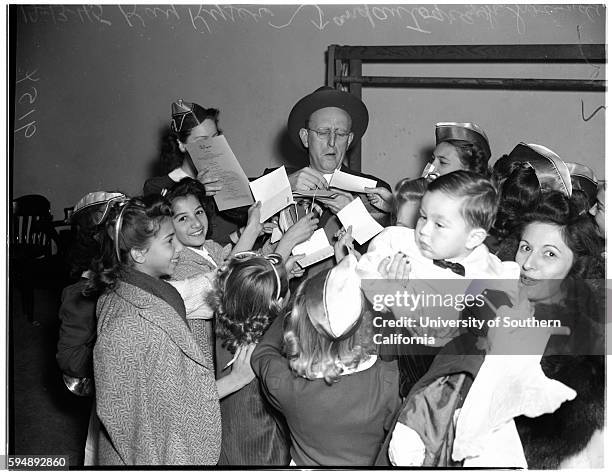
(328, 97)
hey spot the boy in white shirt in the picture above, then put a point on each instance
(455, 216)
(446, 251)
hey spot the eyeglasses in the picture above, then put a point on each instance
(325, 134)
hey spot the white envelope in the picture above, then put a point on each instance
(273, 191)
(349, 182)
(356, 215)
(316, 249)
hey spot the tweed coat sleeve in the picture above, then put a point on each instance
(155, 396)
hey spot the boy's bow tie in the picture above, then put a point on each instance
(454, 267)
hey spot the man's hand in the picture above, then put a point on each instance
(380, 197)
(307, 179)
(212, 183)
(340, 200)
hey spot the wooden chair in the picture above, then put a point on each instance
(34, 244)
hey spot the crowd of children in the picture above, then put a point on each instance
(209, 352)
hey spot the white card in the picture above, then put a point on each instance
(316, 249)
(356, 215)
(273, 191)
(349, 182)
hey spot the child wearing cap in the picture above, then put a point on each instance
(315, 368)
(77, 313)
(189, 123)
(156, 395)
(459, 146)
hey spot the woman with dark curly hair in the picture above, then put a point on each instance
(251, 293)
(521, 177)
(559, 252)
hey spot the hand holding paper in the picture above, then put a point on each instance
(316, 249)
(215, 158)
(350, 182)
(356, 215)
(273, 191)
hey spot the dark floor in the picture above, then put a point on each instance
(44, 417)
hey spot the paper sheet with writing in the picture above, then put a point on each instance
(349, 182)
(273, 191)
(356, 215)
(215, 156)
(316, 249)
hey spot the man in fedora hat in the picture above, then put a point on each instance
(326, 123)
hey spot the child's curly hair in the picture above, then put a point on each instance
(247, 299)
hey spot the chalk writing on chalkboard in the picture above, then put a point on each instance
(588, 118)
(204, 18)
(27, 93)
(84, 14)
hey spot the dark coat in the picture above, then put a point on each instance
(77, 333)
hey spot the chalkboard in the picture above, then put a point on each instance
(94, 84)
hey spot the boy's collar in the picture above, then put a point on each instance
(476, 255)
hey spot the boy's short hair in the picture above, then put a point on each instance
(407, 190)
(479, 195)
